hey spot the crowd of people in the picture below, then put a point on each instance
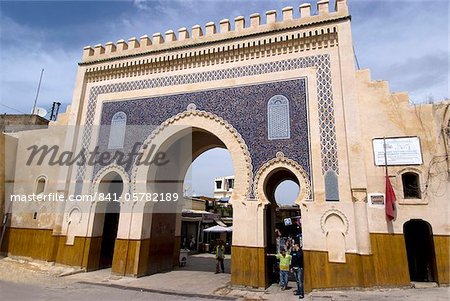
(290, 256)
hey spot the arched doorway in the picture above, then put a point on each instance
(283, 226)
(207, 215)
(108, 211)
(420, 251)
(182, 138)
(208, 187)
(181, 149)
(268, 178)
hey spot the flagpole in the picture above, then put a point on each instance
(390, 194)
(37, 93)
(385, 156)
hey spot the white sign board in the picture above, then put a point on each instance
(376, 199)
(399, 151)
(287, 221)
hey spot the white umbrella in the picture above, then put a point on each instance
(218, 229)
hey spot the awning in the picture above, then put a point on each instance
(204, 215)
(218, 229)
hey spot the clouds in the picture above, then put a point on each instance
(24, 52)
(405, 43)
(141, 4)
(15, 33)
(424, 76)
(391, 38)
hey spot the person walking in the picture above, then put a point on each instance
(192, 243)
(278, 239)
(297, 268)
(285, 262)
(220, 256)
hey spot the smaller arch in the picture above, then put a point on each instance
(282, 163)
(106, 173)
(420, 250)
(336, 213)
(113, 181)
(75, 214)
(74, 217)
(334, 225)
(40, 184)
(411, 184)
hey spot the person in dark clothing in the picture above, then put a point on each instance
(297, 268)
(220, 256)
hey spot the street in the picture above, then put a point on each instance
(36, 280)
(76, 291)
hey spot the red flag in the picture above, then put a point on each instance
(390, 200)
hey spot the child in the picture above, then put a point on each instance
(285, 262)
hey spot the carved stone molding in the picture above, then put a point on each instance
(330, 212)
(104, 171)
(280, 161)
(359, 195)
(209, 117)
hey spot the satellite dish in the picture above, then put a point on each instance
(39, 111)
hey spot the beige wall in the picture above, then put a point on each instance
(363, 110)
(390, 114)
(25, 178)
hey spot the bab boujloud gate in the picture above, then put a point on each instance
(283, 95)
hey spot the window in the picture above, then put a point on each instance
(411, 185)
(278, 120)
(40, 185)
(117, 130)
(331, 186)
(230, 183)
(219, 184)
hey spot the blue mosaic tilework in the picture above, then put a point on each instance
(245, 108)
(324, 91)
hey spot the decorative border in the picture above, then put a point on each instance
(338, 213)
(280, 158)
(71, 211)
(192, 111)
(104, 171)
(322, 63)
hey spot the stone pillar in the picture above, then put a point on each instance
(359, 197)
(248, 263)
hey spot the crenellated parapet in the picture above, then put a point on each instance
(213, 33)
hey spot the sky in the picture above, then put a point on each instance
(405, 42)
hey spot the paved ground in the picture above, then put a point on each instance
(33, 280)
(75, 292)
